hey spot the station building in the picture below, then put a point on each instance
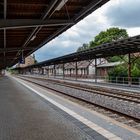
(85, 69)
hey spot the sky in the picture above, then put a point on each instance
(116, 13)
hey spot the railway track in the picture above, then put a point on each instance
(117, 115)
(126, 96)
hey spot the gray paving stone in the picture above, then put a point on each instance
(23, 116)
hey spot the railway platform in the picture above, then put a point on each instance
(30, 112)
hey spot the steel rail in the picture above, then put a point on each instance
(121, 96)
(48, 87)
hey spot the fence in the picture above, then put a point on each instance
(133, 81)
(125, 81)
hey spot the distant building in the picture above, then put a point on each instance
(85, 69)
(103, 69)
(30, 60)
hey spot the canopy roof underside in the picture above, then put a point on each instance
(26, 25)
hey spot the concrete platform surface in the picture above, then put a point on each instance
(90, 122)
(25, 116)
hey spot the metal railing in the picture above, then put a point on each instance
(133, 81)
(125, 81)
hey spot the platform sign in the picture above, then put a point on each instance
(22, 60)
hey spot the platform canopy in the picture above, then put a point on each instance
(26, 25)
(121, 47)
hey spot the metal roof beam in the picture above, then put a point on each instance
(8, 57)
(13, 3)
(14, 49)
(22, 23)
(92, 6)
(100, 52)
(36, 30)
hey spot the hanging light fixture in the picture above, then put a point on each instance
(61, 4)
(33, 37)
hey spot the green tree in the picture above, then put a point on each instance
(83, 47)
(115, 58)
(110, 35)
(118, 71)
(122, 70)
(136, 67)
(135, 71)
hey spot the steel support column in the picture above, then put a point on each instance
(63, 71)
(42, 71)
(54, 71)
(95, 70)
(129, 69)
(38, 70)
(76, 70)
(87, 71)
(30, 70)
(70, 72)
(48, 71)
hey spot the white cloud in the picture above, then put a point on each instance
(105, 17)
(133, 31)
(125, 13)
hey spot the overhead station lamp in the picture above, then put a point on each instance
(61, 4)
(33, 37)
